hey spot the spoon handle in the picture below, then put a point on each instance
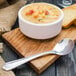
(15, 63)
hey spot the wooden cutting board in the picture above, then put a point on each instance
(25, 46)
(3, 72)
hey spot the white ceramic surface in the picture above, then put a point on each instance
(40, 31)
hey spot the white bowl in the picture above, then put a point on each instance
(40, 31)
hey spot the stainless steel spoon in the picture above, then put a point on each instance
(63, 47)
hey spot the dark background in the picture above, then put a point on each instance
(64, 66)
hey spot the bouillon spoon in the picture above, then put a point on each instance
(63, 47)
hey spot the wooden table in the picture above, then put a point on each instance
(64, 66)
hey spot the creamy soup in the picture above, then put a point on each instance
(40, 13)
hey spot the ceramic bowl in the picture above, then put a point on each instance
(40, 31)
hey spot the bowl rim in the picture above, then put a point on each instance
(46, 24)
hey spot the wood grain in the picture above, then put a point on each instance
(2, 72)
(26, 46)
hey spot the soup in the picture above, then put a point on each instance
(40, 13)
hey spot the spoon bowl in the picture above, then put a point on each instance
(64, 47)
